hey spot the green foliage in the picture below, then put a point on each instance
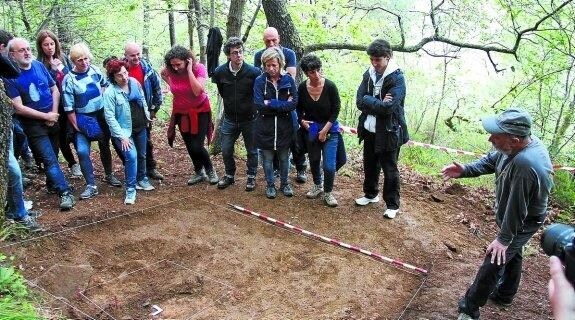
(564, 195)
(14, 299)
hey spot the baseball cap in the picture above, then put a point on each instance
(512, 121)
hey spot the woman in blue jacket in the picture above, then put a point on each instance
(275, 95)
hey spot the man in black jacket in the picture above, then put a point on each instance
(380, 97)
(235, 82)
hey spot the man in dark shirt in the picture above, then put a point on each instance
(235, 81)
(523, 172)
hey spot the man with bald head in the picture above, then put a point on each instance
(272, 39)
(35, 98)
(141, 70)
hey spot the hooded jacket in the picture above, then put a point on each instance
(389, 117)
(152, 88)
(237, 91)
(274, 125)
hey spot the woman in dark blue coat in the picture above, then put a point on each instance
(275, 95)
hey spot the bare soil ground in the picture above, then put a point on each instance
(184, 250)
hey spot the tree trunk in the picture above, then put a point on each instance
(191, 24)
(201, 34)
(235, 15)
(146, 29)
(171, 23)
(63, 28)
(212, 13)
(279, 18)
(442, 97)
(5, 130)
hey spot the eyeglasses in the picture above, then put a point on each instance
(237, 53)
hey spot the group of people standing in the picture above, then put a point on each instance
(63, 99)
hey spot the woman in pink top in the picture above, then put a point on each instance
(191, 109)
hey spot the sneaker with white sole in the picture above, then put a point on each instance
(130, 196)
(390, 213)
(364, 201)
(212, 177)
(197, 178)
(89, 192)
(315, 191)
(145, 185)
(76, 171)
(330, 200)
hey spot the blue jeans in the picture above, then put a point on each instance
(328, 151)
(44, 143)
(135, 158)
(283, 156)
(230, 132)
(83, 145)
(15, 191)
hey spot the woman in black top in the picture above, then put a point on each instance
(318, 107)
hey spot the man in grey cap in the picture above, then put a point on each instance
(523, 172)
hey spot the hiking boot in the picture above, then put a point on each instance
(225, 182)
(315, 191)
(154, 174)
(287, 190)
(145, 185)
(390, 213)
(67, 201)
(301, 177)
(130, 196)
(271, 192)
(76, 171)
(251, 184)
(33, 214)
(89, 192)
(112, 180)
(197, 178)
(31, 224)
(330, 199)
(495, 298)
(363, 201)
(212, 177)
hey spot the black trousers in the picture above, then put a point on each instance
(373, 164)
(195, 144)
(150, 161)
(502, 280)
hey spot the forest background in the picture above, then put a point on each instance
(462, 59)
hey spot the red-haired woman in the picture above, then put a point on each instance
(191, 109)
(127, 116)
(50, 54)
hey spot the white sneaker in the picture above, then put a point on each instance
(390, 213)
(463, 316)
(363, 201)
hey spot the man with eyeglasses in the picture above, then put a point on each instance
(141, 70)
(235, 82)
(35, 98)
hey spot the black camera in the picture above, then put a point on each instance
(559, 240)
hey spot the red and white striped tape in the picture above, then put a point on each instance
(328, 240)
(351, 130)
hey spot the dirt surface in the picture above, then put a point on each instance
(181, 248)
